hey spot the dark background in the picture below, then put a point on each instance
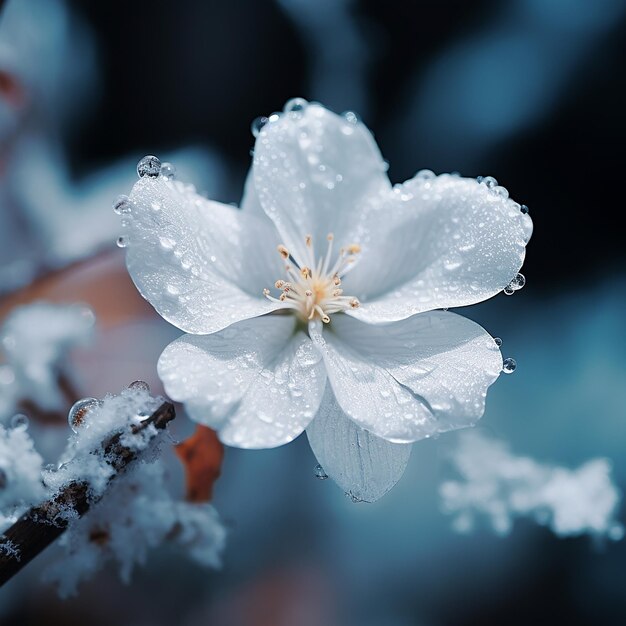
(194, 71)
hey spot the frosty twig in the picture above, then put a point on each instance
(41, 525)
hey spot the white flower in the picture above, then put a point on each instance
(314, 306)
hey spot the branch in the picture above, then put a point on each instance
(43, 524)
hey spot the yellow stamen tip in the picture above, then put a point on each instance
(283, 251)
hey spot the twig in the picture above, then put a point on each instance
(41, 525)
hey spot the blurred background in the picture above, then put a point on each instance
(532, 92)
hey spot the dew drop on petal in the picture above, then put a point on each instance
(79, 410)
(149, 166)
(295, 107)
(524, 209)
(257, 124)
(509, 365)
(351, 117)
(489, 181)
(498, 341)
(320, 473)
(515, 285)
(19, 421)
(424, 175)
(139, 385)
(122, 205)
(122, 241)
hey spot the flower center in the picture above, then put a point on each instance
(313, 288)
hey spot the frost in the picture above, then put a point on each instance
(113, 457)
(20, 474)
(35, 340)
(137, 515)
(500, 486)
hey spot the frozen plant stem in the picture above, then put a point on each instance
(41, 525)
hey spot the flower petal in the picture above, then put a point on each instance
(257, 382)
(436, 243)
(411, 379)
(315, 172)
(203, 265)
(366, 467)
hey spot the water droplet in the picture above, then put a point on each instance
(524, 209)
(295, 107)
(498, 341)
(515, 285)
(351, 117)
(139, 385)
(424, 175)
(168, 170)
(257, 125)
(149, 166)
(498, 190)
(509, 365)
(122, 205)
(320, 473)
(489, 181)
(79, 410)
(122, 241)
(19, 421)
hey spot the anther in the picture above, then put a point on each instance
(279, 284)
(354, 248)
(354, 303)
(266, 292)
(305, 272)
(283, 251)
(308, 239)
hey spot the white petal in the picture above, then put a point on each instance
(315, 174)
(366, 467)
(411, 379)
(437, 243)
(258, 382)
(203, 265)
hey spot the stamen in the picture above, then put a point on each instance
(312, 289)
